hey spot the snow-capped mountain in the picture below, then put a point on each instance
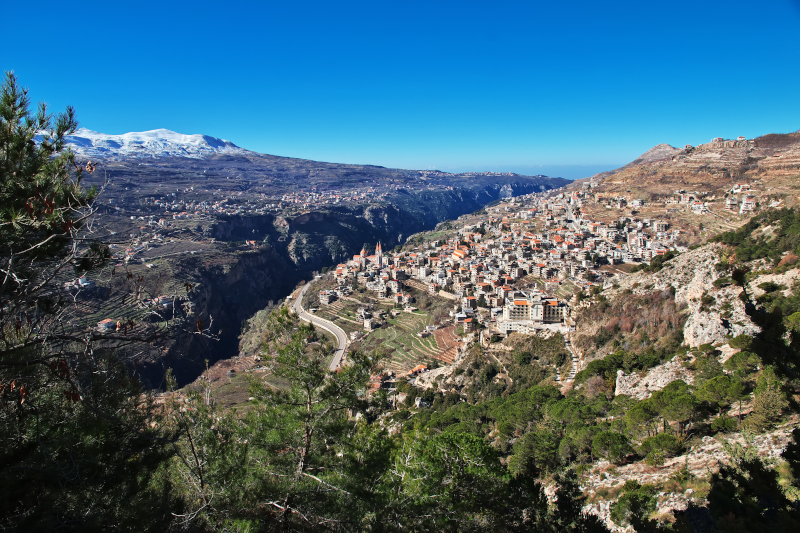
(148, 144)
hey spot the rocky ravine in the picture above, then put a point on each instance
(324, 237)
(224, 294)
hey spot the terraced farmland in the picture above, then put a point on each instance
(343, 314)
(398, 337)
(120, 304)
(119, 307)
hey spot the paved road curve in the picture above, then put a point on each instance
(341, 336)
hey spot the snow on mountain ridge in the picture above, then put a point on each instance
(153, 143)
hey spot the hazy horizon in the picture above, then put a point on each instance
(570, 172)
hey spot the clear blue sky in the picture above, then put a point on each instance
(577, 86)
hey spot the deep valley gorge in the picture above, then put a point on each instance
(241, 246)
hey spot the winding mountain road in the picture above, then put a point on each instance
(327, 325)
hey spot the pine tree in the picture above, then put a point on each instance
(76, 446)
(287, 464)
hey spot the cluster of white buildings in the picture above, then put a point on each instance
(315, 198)
(748, 203)
(697, 202)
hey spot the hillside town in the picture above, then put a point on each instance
(518, 266)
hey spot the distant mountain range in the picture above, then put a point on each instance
(149, 144)
(165, 144)
(163, 154)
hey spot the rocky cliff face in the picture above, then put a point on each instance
(640, 387)
(713, 313)
(699, 460)
(227, 290)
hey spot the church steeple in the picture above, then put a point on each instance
(379, 254)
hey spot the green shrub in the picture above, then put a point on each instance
(722, 282)
(523, 358)
(611, 445)
(683, 474)
(725, 424)
(655, 458)
(635, 504)
(743, 342)
(664, 443)
(742, 364)
(771, 286)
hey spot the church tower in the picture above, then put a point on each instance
(379, 254)
(362, 257)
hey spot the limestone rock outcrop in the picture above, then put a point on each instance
(714, 313)
(641, 387)
(701, 459)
